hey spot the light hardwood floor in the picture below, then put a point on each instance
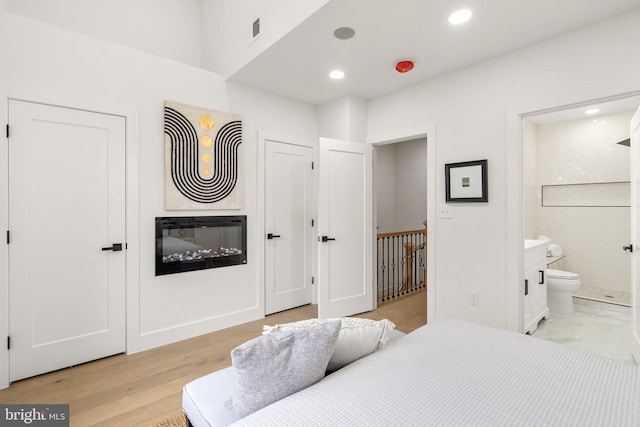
(145, 388)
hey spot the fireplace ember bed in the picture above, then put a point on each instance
(190, 243)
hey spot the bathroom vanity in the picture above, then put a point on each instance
(534, 289)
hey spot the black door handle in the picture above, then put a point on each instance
(115, 247)
(326, 239)
(541, 278)
(272, 236)
(628, 248)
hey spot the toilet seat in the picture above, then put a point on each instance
(563, 275)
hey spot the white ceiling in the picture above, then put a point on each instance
(297, 65)
(629, 102)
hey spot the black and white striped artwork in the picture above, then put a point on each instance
(202, 158)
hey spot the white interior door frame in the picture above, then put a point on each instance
(131, 114)
(433, 181)
(261, 220)
(635, 236)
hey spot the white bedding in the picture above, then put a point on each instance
(454, 373)
(204, 400)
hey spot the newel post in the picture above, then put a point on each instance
(408, 268)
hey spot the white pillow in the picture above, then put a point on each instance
(358, 337)
(276, 365)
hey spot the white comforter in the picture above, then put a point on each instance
(454, 373)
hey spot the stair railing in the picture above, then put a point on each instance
(402, 263)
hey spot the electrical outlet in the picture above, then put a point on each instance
(445, 211)
(473, 297)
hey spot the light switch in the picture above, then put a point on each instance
(473, 297)
(445, 211)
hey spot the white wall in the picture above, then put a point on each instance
(475, 111)
(401, 185)
(344, 118)
(168, 28)
(50, 65)
(385, 188)
(227, 28)
(411, 184)
(581, 152)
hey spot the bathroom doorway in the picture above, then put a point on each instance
(576, 192)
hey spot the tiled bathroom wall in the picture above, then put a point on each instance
(589, 223)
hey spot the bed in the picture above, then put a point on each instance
(453, 373)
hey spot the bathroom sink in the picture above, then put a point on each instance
(529, 243)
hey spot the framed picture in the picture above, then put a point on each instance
(466, 181)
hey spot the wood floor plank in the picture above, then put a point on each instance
(145, 388)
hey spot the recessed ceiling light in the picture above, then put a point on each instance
(591, 111)
(460, 16)
(344, 33)
(336, 74)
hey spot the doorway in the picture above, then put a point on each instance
(576, 192)
(401, 213)
(67, 237)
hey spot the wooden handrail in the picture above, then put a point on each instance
(400, 233)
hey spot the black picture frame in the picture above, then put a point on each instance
(466, 182)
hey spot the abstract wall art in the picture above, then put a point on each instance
(203, 158)
(466, 181)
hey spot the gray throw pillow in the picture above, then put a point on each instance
(276, 365)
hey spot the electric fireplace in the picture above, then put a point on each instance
(190, 243)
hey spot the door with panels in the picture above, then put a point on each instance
(289, 195)
(345, 228)
(67, 237)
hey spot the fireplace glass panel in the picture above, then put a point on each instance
(195, 243)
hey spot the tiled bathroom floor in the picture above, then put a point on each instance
(595, 327)
(605, 295)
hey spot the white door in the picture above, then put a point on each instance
(288, 223)
(635, 234)
(345, 229)
(66, 209)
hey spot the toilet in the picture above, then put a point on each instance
(560, 288)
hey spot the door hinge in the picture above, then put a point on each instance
(8, 237)
(312, 164)
(313, 223)
(313, 280)
(7, 130)
(8, 343)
